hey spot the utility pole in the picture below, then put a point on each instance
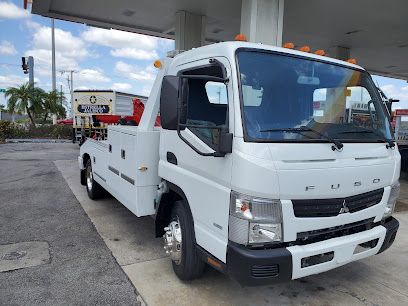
(30, 64)
(28, 68)
(71, 87)
(54, 84)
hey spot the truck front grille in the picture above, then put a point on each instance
(332, 207)
(334, 232)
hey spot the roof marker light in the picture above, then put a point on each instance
(320, 52)
(305, 49)
(241, 37)
(352, 61)
(289, 45)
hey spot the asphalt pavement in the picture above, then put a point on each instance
(39, 216)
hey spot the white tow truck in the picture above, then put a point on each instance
(247, 173)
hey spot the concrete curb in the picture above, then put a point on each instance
(38, 140)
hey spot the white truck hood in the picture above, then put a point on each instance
(312, 170)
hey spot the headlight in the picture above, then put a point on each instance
(394, 194)
(254, 220)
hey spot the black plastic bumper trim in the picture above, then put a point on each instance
(245, 265)
(392, 225)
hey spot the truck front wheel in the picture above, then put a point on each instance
(95, 191)
(179, 243)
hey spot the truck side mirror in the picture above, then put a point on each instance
(225, 144)
(169, 102)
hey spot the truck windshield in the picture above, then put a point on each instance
(289, 98)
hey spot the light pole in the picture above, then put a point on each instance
(54, 85)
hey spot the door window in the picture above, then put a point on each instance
(207, 105)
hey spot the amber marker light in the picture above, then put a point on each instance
(320, 52)
(157, 64)
(305, 49)
(352, 61)
(241, 37)
(289, 45)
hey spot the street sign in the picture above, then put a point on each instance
(2, 90)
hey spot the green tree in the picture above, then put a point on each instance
(25, 98)
(52, 104)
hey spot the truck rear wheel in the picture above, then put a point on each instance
(179, 242)
(95, 191)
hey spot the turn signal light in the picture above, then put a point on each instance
(352, 61)
(289, 45)
(320, 52)
(305, 49)
(157, 64)
(241, 37)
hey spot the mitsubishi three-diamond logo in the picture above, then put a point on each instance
(344, 208)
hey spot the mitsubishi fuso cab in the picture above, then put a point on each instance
(263, 167)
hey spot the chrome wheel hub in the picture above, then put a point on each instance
(172, 241)
(89, 178)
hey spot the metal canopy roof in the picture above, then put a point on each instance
(374, 30)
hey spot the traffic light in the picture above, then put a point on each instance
(24, 65)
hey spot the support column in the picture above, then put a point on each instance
(262, 21)
(189, 30)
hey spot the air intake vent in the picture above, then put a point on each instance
(265, 271)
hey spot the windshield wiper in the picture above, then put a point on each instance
(390, 142)
(337, 144)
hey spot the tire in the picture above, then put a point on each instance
(190, 266)
(95, 191)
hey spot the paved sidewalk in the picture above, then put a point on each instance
(37, 209)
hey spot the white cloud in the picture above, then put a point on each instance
(32, 25)
(7, 48)
(121, 86)
(91, 75)
(11, 80)
(9, 10)
(42, 61)
(65, 42)
(82, 88)
(128, 71)
(119, 39)
(133, 53)
(146, 91)
(69, 50)
(125, 44)
(395, 92)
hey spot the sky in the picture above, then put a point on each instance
(102, 59)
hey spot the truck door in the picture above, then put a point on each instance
(205, 180)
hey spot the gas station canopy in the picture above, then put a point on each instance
(372, 31)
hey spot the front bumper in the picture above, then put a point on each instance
(260, 267)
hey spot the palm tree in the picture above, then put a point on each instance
(24, 99)
(52, 104)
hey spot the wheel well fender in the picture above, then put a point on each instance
(165, 206)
